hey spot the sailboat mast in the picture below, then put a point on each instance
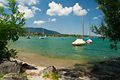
(83, 26)
(29, 32)
(89, 27)
(43, 31)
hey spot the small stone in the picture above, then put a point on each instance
(14, 76)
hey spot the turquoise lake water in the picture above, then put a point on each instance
(61, 47)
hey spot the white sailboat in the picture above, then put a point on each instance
(80, 42)
(89, 41)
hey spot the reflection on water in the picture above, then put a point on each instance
(78, 48)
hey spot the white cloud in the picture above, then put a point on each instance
(97, 8)
(53, 20)
(39, 22)
(65, 11)
(1, 4)
(88, 9)
(58, 9)
(28, 12)
(98, 17)
(3, 1)
(25, 2)
(95, 18)
(28, 2)
(34, 9)
(78, 10)
(25, 6)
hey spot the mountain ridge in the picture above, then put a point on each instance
(41, 30)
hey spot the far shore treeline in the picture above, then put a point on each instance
(39, 32)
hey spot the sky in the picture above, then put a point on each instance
(64, 16)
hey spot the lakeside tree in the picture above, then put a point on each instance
(11, 25)
(110, 26)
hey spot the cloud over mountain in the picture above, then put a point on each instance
(39, 22)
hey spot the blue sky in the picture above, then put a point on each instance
(67, 22)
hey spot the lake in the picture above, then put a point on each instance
(61, 48)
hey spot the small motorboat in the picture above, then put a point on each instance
(79, 42)
(28, 37)
(41, 37)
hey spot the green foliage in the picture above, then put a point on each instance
(11, 26)
(101, 30)
(110, 27)
(1, 9)
(1, 76)
(51, 76)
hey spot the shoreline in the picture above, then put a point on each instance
(44, 61)
(103, 70)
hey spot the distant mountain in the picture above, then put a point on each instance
(41, 30)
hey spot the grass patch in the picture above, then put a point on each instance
(51, 76)
(1, 76)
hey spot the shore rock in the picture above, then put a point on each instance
(76, 73)
(10, 67)
(48, 70)
(107, 70)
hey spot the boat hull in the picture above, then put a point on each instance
(78, 44)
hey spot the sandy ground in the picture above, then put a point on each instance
(39, 60)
